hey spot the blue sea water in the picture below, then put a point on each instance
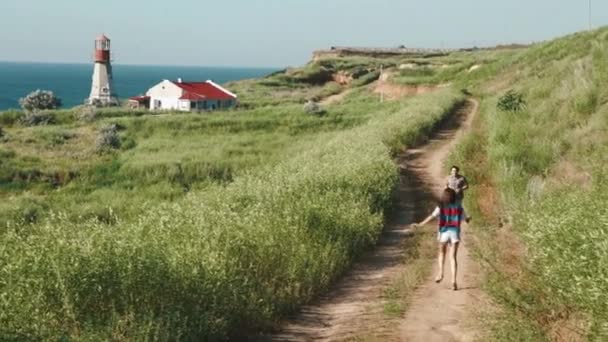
(72, 82)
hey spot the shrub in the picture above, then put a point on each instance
(38, 118)
(108, 138)
(511, 101)
(367, 78)
(88, 114)
(312, 107)
(40, 100)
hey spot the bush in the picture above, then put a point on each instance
(38, 118)
(40, 100)
(511, 101)
(88, 114)
(367, 78)
(312, 107)
(108, 138)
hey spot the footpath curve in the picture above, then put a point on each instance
(353, 308)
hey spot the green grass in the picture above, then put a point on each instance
(168, 155)
(548, 164)
(206, 225)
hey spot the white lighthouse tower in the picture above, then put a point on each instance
(102, 92)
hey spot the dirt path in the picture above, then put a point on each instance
(351, 309)
(392, 91)
(437, 313)
(336, 98)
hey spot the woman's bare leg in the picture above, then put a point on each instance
(441, 261)
(454, 263)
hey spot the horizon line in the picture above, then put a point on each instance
(146, 65)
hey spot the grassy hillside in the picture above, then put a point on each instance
(197, 225)
(541, 178)
(200, 225)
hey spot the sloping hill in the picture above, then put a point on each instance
(542, 186)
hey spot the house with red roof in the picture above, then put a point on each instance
(185, 96)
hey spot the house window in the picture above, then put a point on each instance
(192, 105)
(205, 104)
(157, 104)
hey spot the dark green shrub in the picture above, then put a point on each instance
(511, 101)
(367, 78)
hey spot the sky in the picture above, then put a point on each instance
(273, 33)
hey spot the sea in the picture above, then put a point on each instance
(72, 82)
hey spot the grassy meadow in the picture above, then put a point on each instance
(197, 226)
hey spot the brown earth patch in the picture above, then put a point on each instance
(392, 91)
(343, 78)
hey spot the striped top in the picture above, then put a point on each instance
(450, 217)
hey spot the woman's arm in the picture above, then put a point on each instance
(433, 215)
(426, 220)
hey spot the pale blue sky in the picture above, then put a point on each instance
(272, 32)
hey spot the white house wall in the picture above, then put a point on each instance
(167, 93)
(165, 89)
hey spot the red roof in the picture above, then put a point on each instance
(192, 96)
(204, 91)
(102, 37)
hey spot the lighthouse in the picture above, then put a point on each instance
(102, 92)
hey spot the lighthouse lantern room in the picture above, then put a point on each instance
(102, 91)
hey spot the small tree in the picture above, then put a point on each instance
(40, 100)
(511, 101)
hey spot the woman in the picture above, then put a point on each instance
(450, 213)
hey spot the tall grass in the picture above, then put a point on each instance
(548, 163)
(161, 157)
(222, 260)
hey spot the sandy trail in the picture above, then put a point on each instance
(336, 98)
(351, 308)
(437, 313)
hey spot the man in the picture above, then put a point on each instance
(458, 183)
